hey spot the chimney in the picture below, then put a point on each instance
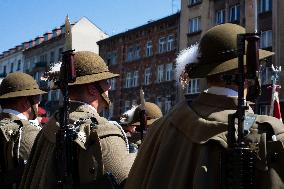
(47, 36)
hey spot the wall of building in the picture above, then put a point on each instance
(163, 93)
(16, 59)
(85, 36)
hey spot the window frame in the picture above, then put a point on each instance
(147, 76)
(194, 24)
(237, 13)
(169, 72)
(149, 48)
(196, 86)
(160, 73)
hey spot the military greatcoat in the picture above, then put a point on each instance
(16, 140)
(182, 150)
(41, 168)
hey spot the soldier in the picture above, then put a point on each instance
(89, 96)
(19, 99)
(130, 120)
(182, 150)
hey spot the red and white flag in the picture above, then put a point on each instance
(275, 110)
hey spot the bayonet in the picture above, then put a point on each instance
(68, 35)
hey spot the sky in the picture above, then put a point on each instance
(23, 20)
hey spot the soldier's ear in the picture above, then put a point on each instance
(92, 90)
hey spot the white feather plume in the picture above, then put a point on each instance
(56, 67)
(186, 56)
(128, 116)
(53, 70)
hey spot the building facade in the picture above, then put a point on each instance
(11, 61)
(35, 56)
(197, 16)
(145, 58)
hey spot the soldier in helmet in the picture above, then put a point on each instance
(19, 99)
(101, 146)
(130, 120)
(183, 149)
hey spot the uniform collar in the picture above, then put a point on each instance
(16, 113)
(77, 104)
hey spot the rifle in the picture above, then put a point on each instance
(239, 158)
(65, 156)
(142, 115)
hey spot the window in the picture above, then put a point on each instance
(133, 53)
(170, 44)
(220, 16)
(265, 5)
(19, 65)
(112, 83)
(12, 67)
(169, 72)
(135, 79)
(195, 24)
(265, 74)
(52, 57)
(130, 54)
(159, 102)
(235, 13)
(162, 45)
(266, 39)
(60, 51)
(43, 58)
(136, 52)
(193, 2)
(126, 105)
(160, 74)
(147, 76)
(128, 80)
(112, 58)
(32, 63)
(4, 70)
(149, 48)
(168, 104)
(193, 86)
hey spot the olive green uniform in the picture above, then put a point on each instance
(41, 171)
(16, 140)
(183, 149)
(100, 146)
(16, 135)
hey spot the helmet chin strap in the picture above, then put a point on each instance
(102, 93)
(33, 107)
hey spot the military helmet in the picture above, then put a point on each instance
(132, 116)
(19, 84)
(217, 51)
(90, 67)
